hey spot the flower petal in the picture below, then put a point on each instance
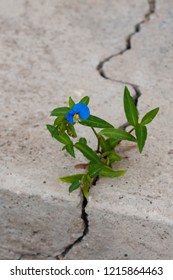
(69, 116)
(82, 110)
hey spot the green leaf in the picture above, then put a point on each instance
(104, 144)
(113, 142)
(130, 108)
(86, 183)
(59, 120)
(141, 135)
(149, 116)
(87, 152)
(71, 102)
(61, 111)
(61, 124)
(85, 191)
(117, 134)
(83, 140)
(70, 149)
(112, 156)
(94, 169)
(62, 128)
(71, 130)
(51, 129)
(71, 178)
(94, 121)
(75, 185)
(85, 100)
(63, 138)
(109, 172)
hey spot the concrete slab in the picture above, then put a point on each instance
(49, 52)
(32, 228)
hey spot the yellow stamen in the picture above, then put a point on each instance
(76, 117)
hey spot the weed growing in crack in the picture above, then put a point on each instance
(100, 162)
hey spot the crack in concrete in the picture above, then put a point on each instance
(128, 46)
(84, 217)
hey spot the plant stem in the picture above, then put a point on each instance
(94, 132)
(98, 145)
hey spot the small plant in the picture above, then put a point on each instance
(100, 162)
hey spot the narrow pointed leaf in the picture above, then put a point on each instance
(149, 116)
(71, 178)
(117, 134)
(61, 111)
(130, 108)
(85, 100)
(63, 138)
(87, 152)
(70, 149)
(94, 121)
(141, 135)
(109, 172)
(51, 128)
(75, 185)
(94, 169)
(113, 142)
(104, 144)
(71, 103)
(85, 191)
(112, 156)
(86, 183)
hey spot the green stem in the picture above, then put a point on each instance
(98, 146)
(94, 132)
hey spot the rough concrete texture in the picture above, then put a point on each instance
(50, 50)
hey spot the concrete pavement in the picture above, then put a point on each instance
(49, 51)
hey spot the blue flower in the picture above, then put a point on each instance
(78, 111)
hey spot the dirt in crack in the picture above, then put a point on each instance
(128, 46)
(84, 217)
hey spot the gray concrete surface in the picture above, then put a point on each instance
(48, 51)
